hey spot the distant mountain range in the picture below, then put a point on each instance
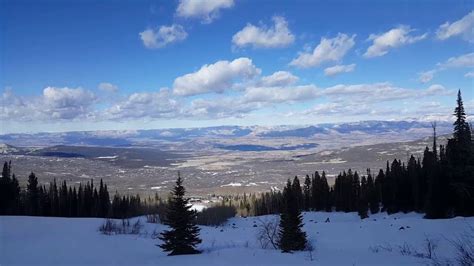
(125, 138)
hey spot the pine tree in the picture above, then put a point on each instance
(291, 237)
(372, 194)
(307, 193)
(298, 193)
(183, 235)
(33, 194)
(325, 197)
(5, 189)
(362, 206)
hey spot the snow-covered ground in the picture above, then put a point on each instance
(345, 240)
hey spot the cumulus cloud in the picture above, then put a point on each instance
(216, 77)
(426, 76)
(356, 100)
(206, 10)
(465, 60)
(337, 109)
(377, 92)
(66, 103)
(279, 78)
(394, 38)
(14, 107)
(469, 74)
(108, 87)
(77, 104)
(462, 61)
(219, 108)
(276, 36)
(145, 105)
(328, 50)
(281, 94)
(53, 104)
(163, 36)
(462, 27)
(338, 69)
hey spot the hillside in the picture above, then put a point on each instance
(345, 240)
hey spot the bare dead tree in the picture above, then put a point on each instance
(267, 234)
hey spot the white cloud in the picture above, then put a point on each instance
(279, 78)
(53, 104)
(207, 10)
(339, 109)
(426, 76)
(469, 74)
(465, 60)
(462, 61)
(108, 87)
(219, 108)
(66, 103)
(328, 50)
(338, 69)
(265, 37)
(165, 35)
(377, 92)
(145, 105)
(281, 94)
(463, 27)
(394, 38)
(216, 77)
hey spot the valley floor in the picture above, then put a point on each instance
(345, 240)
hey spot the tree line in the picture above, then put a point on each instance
(61, 200)
(440, 184)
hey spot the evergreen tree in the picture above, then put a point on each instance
(183, 236)
(316, 192)
(298, 193)
(307, 193)
(33, 194)
(372, 192)
(326, 203)
(362, 206)
(5, 189)
(291, 237)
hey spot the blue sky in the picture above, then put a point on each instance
(86, 65)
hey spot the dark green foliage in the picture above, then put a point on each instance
(183, 235)
(372, 194)
(215, 215)
(33, 194)
(68, 201)
(298, 193)
(291, 237)
(307, 193)
(363, 206)
(9, 191)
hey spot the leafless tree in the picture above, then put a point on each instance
(267, 233)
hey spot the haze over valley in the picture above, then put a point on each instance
(218, 160)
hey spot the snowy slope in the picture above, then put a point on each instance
(346, 240)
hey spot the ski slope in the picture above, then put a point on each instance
(345, 240)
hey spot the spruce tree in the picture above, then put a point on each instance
(33, 194)
(5, 189)
(372, 194)
(183, 235)
(307, 193)
(291, 237)
(362, 206)
(298, 193)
